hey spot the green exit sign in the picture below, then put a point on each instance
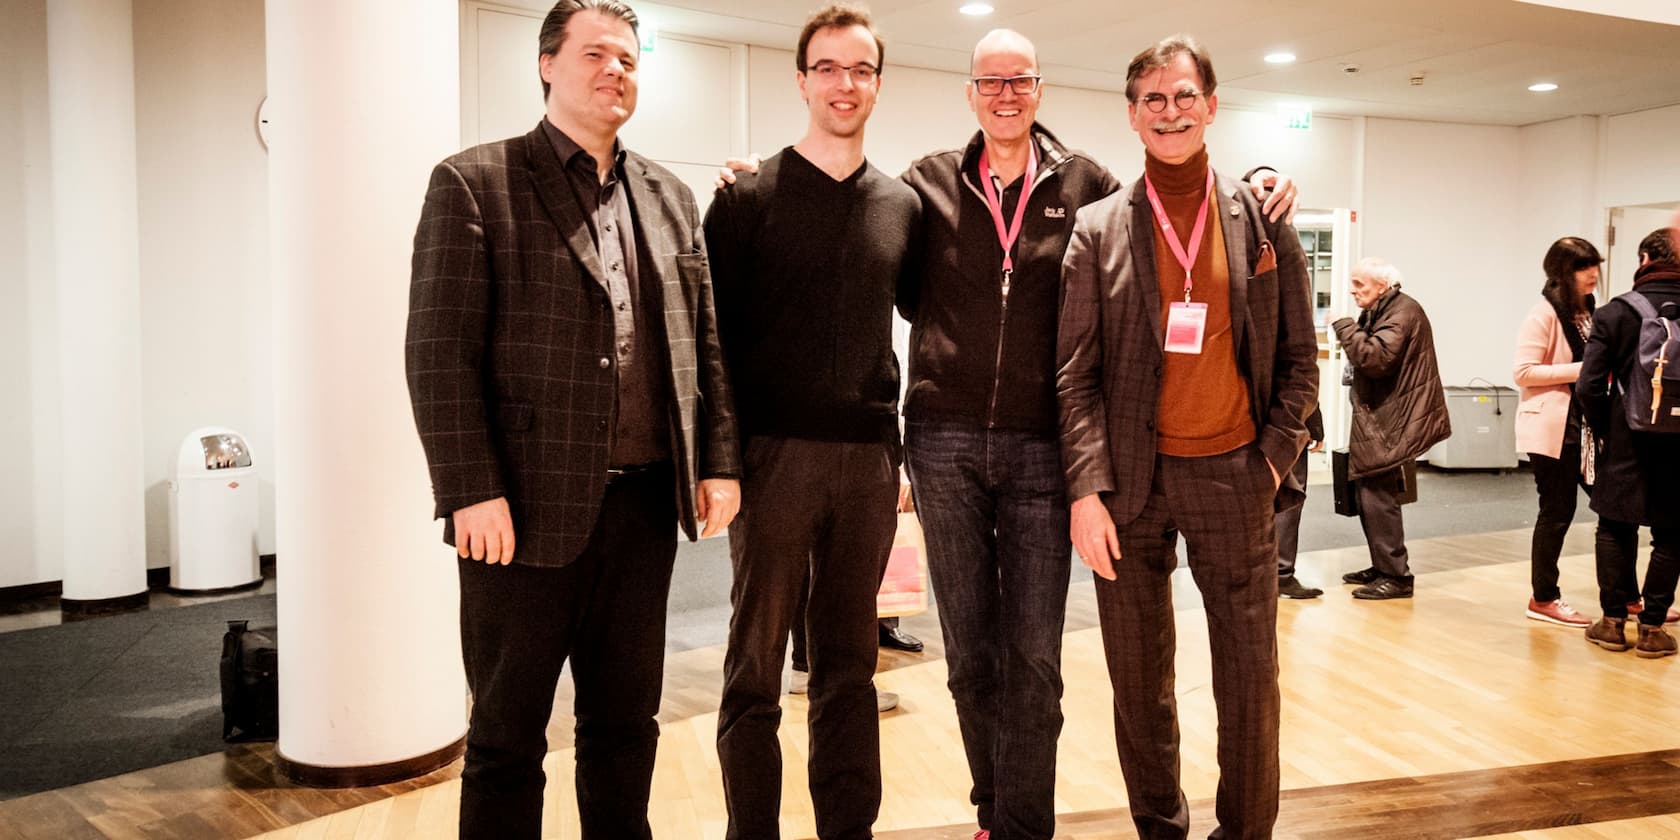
(1298, 117)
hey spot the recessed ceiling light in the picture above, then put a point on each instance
(1280, 58)
(1543, 87)
(976, 9)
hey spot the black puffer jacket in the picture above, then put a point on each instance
(1399, 410)
(972, 357)
(1637, 471)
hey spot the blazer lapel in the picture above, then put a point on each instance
(1142, 235)
(563, 208)
(1235, 227)
(653, 229)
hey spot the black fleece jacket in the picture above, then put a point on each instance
(974, 356)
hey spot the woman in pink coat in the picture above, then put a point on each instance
(1549, 428)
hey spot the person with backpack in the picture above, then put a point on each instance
(1629, 393)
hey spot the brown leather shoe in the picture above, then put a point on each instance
(1654, 642)
(1609, 633)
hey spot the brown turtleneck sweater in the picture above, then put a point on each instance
(1204, 408)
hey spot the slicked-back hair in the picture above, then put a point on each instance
(1567, 256)
(841, 15)
(553, 32)
(1162, 54)
(1658, 247)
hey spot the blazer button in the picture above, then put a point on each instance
(605, 363)
(1157, 371)
(1150, 425)
(600, 425)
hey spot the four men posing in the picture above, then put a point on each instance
(572, 385)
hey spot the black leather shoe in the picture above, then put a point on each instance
(1385, 588)
(1289, 587)
(1369, 574)
(892, 637)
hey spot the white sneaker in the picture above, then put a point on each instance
(885, 701)
(799, 682)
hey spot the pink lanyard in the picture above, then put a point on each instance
(994, 203)
(1186, 260)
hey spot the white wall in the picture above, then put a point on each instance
(1443, 203)
(1642, 161)
(199, 76)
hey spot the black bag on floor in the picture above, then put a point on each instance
(250, 683)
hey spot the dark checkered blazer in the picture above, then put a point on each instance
(510, 342)
(1109, 342)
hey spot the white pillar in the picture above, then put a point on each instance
(363, 101)
(90, 93)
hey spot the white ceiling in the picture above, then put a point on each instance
(1477, 57)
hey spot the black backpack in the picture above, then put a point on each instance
(250, 683)
(1651, 400)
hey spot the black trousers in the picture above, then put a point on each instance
(824, 509)
(1618, 582)
(1556, 480)
(1380, 519)
(1288, 520)
(1223, 506)
(605, 613)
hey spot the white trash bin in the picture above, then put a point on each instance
(213, 513)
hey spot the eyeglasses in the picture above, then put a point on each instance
(993, 85)
(1157, 102)
(829, 71)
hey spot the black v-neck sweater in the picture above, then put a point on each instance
(804, 271)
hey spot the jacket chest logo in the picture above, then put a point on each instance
(1055, 212)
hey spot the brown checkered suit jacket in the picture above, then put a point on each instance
(510, 342)
(1109, 344)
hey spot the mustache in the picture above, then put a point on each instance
(1181, 122)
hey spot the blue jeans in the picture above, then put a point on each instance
(994, 512)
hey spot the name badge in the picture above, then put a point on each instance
(1186, 325)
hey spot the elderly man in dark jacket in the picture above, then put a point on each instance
(1399, 412)
(1632, 466)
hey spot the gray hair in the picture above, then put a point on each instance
(1379, 269)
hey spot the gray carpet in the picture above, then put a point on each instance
(112, 695)
(98, 698)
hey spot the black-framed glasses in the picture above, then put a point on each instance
(993, 85)
(1157, 102)
(830, 71)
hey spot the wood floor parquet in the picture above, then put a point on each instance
(1387, 708)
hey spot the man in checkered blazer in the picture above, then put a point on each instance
(1187, 368)
(570, 394)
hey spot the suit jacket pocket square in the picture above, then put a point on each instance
(1268, 259)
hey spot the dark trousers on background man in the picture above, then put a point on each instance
(994, 515)
(827, 510)
(1289, 520)
(1380, 518)
(1556, 479)
(1618, 579)
(605, 613)
(1223, 506)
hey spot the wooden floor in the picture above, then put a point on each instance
(1449, 715)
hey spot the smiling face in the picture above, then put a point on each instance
(592, 78)
(838, 102)
(1175, 134)
(1008, 116)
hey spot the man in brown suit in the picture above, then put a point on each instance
(569, 390)
(1186, 373)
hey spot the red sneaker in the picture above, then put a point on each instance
(1636, 607)
(982, 834)
(1556, 612)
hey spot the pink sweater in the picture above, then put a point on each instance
(1544, 375)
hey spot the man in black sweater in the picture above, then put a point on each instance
(806, 257)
